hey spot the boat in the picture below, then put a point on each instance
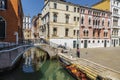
(73, 70)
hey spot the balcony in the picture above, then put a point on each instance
(116, 15)
(95, 26)
(100, 27)
(118, 27)
(82, 25)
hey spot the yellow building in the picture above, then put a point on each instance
(102, 5)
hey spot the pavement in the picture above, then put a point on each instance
(108, 57)
(102, 61)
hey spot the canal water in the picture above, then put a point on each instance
(49, 70)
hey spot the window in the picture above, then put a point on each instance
(54, 31)
(55, 17)
(3, 4)
(115, 22)
(77, 18)
(115, 11)
(82, 11)
(74, 9)
(93, 22)
(67, 8)
(82, 20)
(77, 32)
(67, 18)
(74, 18)
(98, 41)
(86, 32)
(89, 41)
(55, 5)
(98, 33)
(105, 34)
(66, 32)
(2, 28)
(89, 21)
(93, 33)
(74, 32)
(78, 10)
(102, 22)
(89, 12)
(96, 22)
(108, 23)
(74, 44)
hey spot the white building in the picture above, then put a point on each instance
(115, 9)
(27, 27)
(61, 22)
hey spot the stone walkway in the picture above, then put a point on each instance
(99, 61)
(108, 57)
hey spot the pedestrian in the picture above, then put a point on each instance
(78, 52)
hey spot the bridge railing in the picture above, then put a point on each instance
(8, 57)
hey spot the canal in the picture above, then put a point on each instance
(49, 70)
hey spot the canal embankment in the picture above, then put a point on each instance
(92, 69)
(9, 58)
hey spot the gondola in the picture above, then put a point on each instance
(73, 70)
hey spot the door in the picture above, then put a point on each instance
(119, 41)
(74, 44)
(85, 43)
(105, 43)
(114, 42)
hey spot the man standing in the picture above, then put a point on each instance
(78, 52)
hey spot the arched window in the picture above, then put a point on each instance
(108, 23)
(82, 20)
(2, 28)
(102, 22)
(84, 33)
(93, 22)
(89, 21)
(2, 4)
(96, 22)
(87, 33)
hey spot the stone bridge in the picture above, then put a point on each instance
(8, 58)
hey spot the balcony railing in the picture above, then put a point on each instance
(116, 26)
(116, 14)
(97, 27)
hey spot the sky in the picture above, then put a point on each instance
(33, 7)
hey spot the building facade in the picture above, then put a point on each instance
(76, 26)
(11, 17)
(37, 28)
(95, 29)
(114, 7)
(27, 27)
(61, 23)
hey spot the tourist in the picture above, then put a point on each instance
(78, 52)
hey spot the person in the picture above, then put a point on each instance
(78, 52)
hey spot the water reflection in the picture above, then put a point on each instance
(43, 69)
(33, 59)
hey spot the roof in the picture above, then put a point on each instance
(98, 2)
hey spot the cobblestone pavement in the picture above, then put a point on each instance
(108, 57)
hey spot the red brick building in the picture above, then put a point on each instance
(11, 17)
